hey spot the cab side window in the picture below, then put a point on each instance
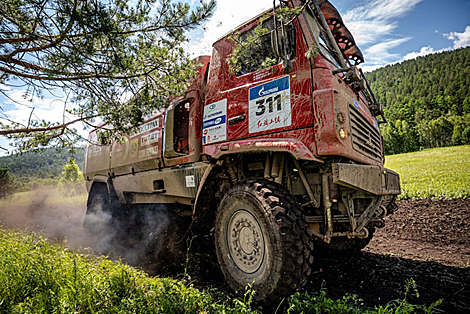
(181, 128)
(262, 51)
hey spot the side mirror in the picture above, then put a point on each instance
(279, 44)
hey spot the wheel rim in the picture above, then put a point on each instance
(245, 241)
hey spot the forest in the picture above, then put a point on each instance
(426, 101)
(43, 164)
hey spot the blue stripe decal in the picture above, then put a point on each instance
(269, 88)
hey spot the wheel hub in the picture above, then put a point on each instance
(245, 241)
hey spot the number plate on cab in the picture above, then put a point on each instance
(269, 106)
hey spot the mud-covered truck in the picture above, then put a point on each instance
(280, 163)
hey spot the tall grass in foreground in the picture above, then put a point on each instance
(433, 173)
(36, 277)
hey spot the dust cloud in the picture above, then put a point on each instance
(36, 214)
(148, 236)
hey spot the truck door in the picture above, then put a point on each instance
(262, 100)
(182, 134)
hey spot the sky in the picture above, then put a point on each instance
(387, 32)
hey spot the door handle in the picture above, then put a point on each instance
(236, 119)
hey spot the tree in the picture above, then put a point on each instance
(95, 52)
(71, 173)
(8, 183)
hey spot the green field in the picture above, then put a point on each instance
(433, 173)
(54, 196)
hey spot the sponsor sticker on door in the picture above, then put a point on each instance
(270, 106)
(214, 124)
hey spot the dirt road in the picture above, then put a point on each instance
(426, 240)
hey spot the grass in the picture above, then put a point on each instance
(38, 277)
(54, 196)
(433, 173)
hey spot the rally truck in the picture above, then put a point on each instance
(280, 163)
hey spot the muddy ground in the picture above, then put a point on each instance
(426, 240)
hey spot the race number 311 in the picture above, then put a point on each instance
(269, 106)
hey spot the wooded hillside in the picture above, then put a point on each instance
(46, 163)
(426, 100)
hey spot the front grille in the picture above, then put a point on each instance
(365, 137)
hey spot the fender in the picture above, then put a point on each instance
(289, 145)
(108, 180)
(101, 178)
(201, 186)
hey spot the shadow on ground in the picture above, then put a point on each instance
(378, 279)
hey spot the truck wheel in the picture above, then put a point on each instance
(98, 217)
(261, 239)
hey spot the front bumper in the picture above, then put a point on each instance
(375, 180)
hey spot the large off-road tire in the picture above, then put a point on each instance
(98, 219)
(97, 209)
(262, 239)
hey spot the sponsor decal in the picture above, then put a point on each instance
(149, 152)
(145, 127)
(214, 124)
(270, 106)
(215, 60)
(149, 138)
(94, 149)
(133, 146)
(372, 120)
(120, 149)
(376, 124)
(190, 182)
(356, 104)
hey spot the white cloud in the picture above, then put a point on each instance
(384, 10)
(369, 23)
(4, 87)
(366, 32)
(373, 24)
(460, 39)
(378, 55)
(16, 107)
(380, 50)
(423, 52)
(228, 15)
(21, 107)
(374, 20)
